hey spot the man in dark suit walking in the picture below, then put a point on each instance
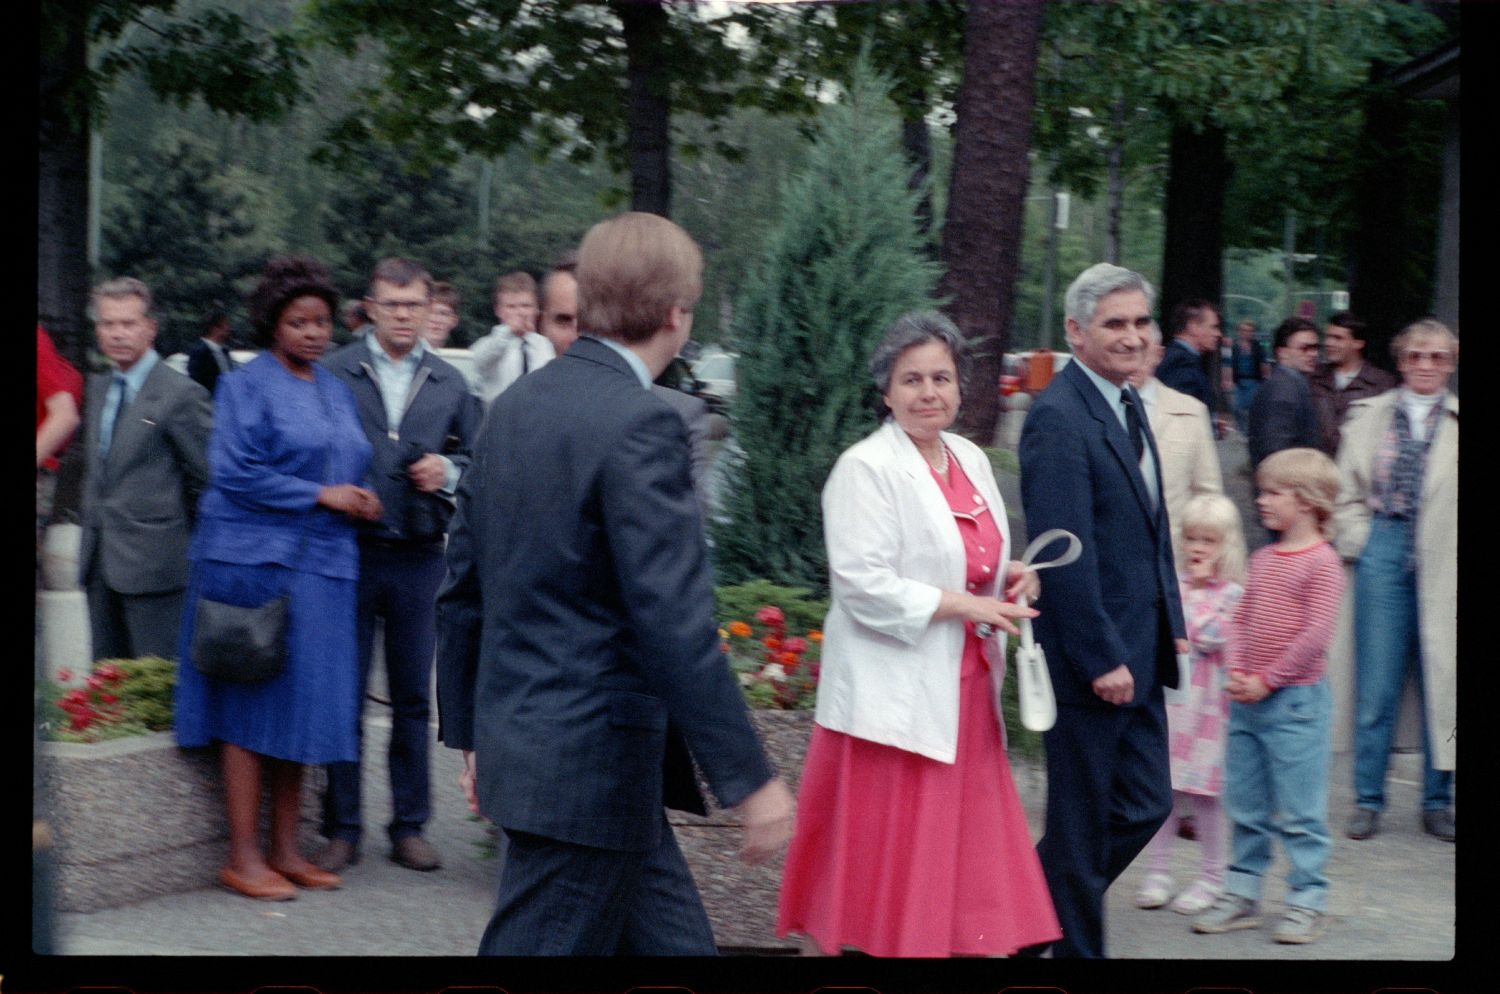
(1282, 415)
(146, 429)
(209, 358)
(1194, 329)
(1112, 621)
(578, 660)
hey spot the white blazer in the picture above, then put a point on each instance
(889, 674)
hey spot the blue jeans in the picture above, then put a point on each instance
(399, 586)
(1276, 784)
(1244, 396)
(1387, 645)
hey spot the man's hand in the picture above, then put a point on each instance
(1116, 687)
(469, 782)
(427, 473)
(767, 815)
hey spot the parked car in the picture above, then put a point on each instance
(715, 369)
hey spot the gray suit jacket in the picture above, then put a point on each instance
(695, 415)
(138, 503)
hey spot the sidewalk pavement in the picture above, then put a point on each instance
(1391, 897)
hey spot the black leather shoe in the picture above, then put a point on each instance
(416, 853)
(1440, 823)
(338, 854)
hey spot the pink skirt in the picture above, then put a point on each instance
(896, 854)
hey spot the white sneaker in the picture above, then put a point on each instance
(1155, 891)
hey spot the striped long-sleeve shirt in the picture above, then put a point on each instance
(1285, 620)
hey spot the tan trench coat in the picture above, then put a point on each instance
(1437, 549)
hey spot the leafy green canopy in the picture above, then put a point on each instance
(843, 260)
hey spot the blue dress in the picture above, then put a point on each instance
(277, 440)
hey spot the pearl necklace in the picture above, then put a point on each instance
(942, 468)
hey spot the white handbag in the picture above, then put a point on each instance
(1033, 684)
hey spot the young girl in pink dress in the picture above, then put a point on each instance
(1210, 576)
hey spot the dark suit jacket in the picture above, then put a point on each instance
(1119, 602)
(1182, 369)
(139, 502)
(1331, 404)
(441, 416)
(1281, 417)
(203, 365)
(576, 627)
(694, 413)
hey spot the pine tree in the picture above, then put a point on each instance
(844, 259)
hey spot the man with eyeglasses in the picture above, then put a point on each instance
(1282, 415)
(421, 419)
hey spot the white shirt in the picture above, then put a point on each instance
(1112, 394)
(498, 359)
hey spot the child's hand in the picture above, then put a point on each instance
(1247, 688)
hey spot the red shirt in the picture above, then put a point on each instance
(1285, 620)
(54, 375)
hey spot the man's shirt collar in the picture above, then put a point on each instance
(637, 364)
(381, 355)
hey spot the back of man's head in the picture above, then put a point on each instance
(632, 270)
(1186, 312)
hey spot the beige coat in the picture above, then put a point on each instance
(1189, 461)
(1437, 549)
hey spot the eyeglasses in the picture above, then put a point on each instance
(400, 305)
(1416, 357)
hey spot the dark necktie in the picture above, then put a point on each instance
(105, 437)
(1133, 423)
(525, 362)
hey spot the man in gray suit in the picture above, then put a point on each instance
(146, 433)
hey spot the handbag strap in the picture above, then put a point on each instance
(1028, 559)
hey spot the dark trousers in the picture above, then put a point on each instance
(399, 585)
(128, 626)
(1109, 789)
(561, 899)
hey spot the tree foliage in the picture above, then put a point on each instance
(843, 260)
(184, 225)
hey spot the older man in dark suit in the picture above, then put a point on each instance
(578, 656)
(1112, 622)
(146, 429)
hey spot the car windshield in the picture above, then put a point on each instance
(718, 367)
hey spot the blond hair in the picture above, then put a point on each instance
(1217, 514)
(632, 270)
(517, 282)
(1310, 476)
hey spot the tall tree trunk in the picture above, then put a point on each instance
(62, 184)
(1193, 255)
(917, 142)
(981, 249)
(648, 107)
(1390, 260)
(1116, 195)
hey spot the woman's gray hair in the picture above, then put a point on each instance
(1424, 328)
(1099, 281)
(916, 328)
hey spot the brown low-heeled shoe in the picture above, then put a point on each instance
(278, 889)
(313, 878)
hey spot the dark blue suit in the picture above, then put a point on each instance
(576, 638)
(1108, 783)
(1182, 369)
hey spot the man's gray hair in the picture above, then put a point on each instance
(1099, 281)
(917, 328)
(117, 289)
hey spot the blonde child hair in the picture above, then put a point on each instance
(1217, 513)
(1309, 474)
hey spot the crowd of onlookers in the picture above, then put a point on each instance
(541, 540)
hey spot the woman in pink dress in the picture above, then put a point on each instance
(910, 837)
